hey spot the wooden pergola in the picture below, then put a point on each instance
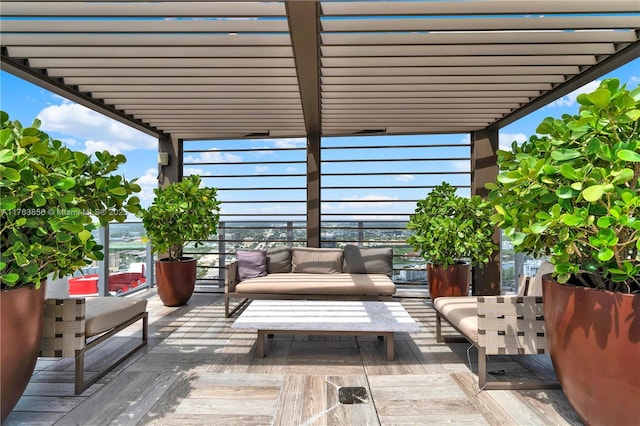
(206, 70)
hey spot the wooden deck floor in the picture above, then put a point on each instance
(197, 370)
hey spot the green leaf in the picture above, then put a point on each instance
(605, 254)
(65, 184)
(569, 172)
(593, 193)
(84, 235)
(6, 155)
(567, 192)
(39, 200)
(10, 278)
(9, 173)
(8, 203)
(605, 221)
(118, 191)
(565, 154)
(634, 114)
(600, 97)
(628, 155)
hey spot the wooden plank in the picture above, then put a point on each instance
(493, 412)
(32, 418)
(127, 399)
(48, 403)
(291, 400)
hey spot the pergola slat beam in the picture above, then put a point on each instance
(481, 24)
(479, 7)
(53, 85)
(143, 9)
(609, 64)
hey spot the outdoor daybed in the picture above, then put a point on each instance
(500, 325)
(355, 273)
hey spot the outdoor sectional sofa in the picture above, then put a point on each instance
(355, 273)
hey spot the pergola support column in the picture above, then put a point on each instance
(172, 172)
(313, 190)
(485, 281)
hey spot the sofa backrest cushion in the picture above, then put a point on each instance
(535, 286)
(278, 260)
(251, 263)
(368, 260)
(311, 260)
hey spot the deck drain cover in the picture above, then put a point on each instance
(352, 395)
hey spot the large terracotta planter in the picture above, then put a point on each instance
(21, 322)
(452, 281)
(594, 341)
(176, 280)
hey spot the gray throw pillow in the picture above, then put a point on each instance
(251, 263)
(278, 260)
(368, 260)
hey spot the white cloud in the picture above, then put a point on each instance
(188, 171)
(290, 143)
(405, 178)
(148, 182)
(213, 156)
(290, 169)
(570, 99)
(505, 140)
(94, 146)
(368, 201)
(261, 169)
(461, 165)
(98, 131)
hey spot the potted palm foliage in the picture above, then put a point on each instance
(452, 233)
(49, 195)
(572, 192)
(181, 213)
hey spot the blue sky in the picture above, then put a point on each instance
(84, 130)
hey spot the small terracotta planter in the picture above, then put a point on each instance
(594, 341)
(21, 322)
(453, 281)
(176, 280)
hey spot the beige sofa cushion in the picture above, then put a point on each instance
(309, 260)
(278, 259)
(461, 312)
(318, 284)
(535, 287)
(104, 313)
(368, 260)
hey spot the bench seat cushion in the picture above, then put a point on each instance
(461, 312)
(319, 284)
(104, 313)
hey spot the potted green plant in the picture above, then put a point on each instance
(572, 192)
(452, 233)
(49, 195)
(181, 213)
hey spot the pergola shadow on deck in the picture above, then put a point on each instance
(198, 370)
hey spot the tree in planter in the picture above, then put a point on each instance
(49, 194)
(572, 192)
(448, 229)
(181, 213)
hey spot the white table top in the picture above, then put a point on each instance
(320, 315)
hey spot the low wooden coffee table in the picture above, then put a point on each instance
(326, 318)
